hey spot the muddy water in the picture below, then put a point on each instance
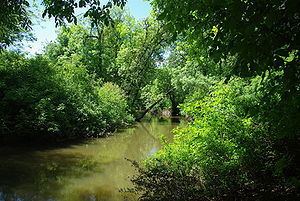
(87, 171)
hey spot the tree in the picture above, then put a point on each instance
(14, 21)
(260, 33)
(241, 143)
(64, 10)
(15, 17)
(139, 56)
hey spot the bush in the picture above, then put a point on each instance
(38, 97)
(230, 149)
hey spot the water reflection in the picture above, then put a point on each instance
(92, 170)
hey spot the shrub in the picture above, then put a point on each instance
(38, 97)
(228, 152)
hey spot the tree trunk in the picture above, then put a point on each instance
(175, 110)
(151, 106)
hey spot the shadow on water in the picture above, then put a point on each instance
(84, 170)
(37, 172)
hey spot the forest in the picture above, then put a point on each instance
(229, 68)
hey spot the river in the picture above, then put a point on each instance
(93, 170)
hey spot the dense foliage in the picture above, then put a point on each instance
(230, 151)
(230, 67)
(241, 143)
(62, 99)
(258, 32)
(86, 82)
(15, 22)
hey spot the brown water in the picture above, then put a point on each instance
(93, 170)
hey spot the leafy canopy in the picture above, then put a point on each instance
(64, 10)
(14, 21)
(260, 32)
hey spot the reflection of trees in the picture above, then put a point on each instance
(146, 137)
(146, 130)
(43, 174)
(39, 173)
(142, 141)
(134, 144)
